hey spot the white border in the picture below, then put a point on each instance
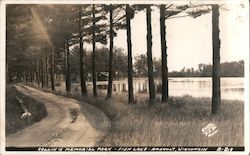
(2, 69)
(122, 1)
(2, 75)
(246, 92)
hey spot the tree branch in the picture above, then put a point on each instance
(178, 16)
(167, 16)
(120, 9)
(119, 19)
(169, 6)
(184, 9)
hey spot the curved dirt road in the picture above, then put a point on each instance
(69, 123)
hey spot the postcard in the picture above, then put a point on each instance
(132, 77)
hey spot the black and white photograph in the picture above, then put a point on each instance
(125, 76)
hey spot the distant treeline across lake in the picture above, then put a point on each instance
(228, 69)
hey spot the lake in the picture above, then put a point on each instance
(231, 88)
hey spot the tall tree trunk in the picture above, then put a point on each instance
(38, 73)
(7, 76)
(110, 80)
(164, 68)
(19, 78)
(31, 74)
(52, 77)
(35, 73)
(46, 69)
(149, 57)
(81, 68)
(42, 72)
(216, 95)
(130, 63)
(94, 53)
(26, 74)
(68, 79)
(8, 73)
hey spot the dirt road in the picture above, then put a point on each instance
(69, 123)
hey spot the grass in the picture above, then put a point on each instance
(167, 124)
(14, 110)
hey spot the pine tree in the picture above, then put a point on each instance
(111, 35)
(81, 67)
(116, 22)
(98, 35)
(216, 95)
(151, 84)
(129, 16)
(168, 12)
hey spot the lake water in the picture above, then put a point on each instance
(231, 88)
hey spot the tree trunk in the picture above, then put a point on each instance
(93, 55)
(31, 74)
(52, 78)
(164, 68)
(130, 63)
(9, 74)
(38, 73)
(35, 74)
(216, 95)
(81, 68)
(26, 74)
(18, 76)
(42, 72)
(149, 57)
(46, 69)
(110, 80)
(68, 79)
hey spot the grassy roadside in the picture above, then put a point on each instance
(14, 110)
(168, 125)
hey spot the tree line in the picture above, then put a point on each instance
(228, 69)
(40, 40)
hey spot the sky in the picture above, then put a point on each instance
(189, 40)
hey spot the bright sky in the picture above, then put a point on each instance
(189, 40)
